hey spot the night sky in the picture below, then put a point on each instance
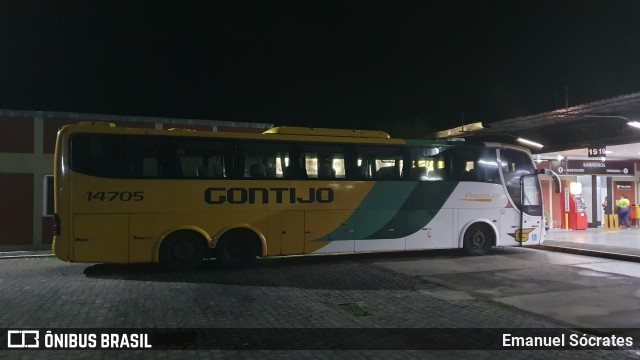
(401, 66)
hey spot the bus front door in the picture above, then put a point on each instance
(524, 223)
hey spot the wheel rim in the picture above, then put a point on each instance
(239, 251)
(183, 251)
(234, 250)
(478, 239)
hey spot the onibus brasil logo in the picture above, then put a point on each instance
(33, 339)
(522, 235)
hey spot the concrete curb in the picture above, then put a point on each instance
(594, 253)
(24, 254)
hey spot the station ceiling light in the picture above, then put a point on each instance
(531, 143)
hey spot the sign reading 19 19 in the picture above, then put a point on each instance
(597, 151)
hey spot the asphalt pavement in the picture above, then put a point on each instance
(364, 306)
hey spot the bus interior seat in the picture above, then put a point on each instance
(471, 175)
(270, 171)
(326, 171)
(201, 172)
(361, 171)
(435, 174)
(258, 171)
(419, 173)
(218, 171)
(302, 169)
(286, 172)
(386, 173)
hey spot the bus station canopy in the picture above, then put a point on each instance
(599, 123)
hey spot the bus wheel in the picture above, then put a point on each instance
(183, 250)
(478, 239)
(238, 248)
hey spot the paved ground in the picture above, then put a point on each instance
(609, 241)
(586, 292)
(367, 294)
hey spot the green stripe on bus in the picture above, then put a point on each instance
(393, 210)
(423, 205)
(378, 208)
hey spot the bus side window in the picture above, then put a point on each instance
(325, 168)
(257, 171)
(471, 174)
(419, 173)
(427, 164)
(302, 168)
(474, 164)
(265, 161)
(379, 163)
(488, 170)
(212, 168)
(217, 170)
(141, 158)
(324, 162)
(193, 158)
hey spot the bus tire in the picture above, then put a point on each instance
(238, 248)
(478, 239)
(183, 250)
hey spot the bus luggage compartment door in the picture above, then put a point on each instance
(328, 231)
(141, 235)
(102, 238)
(292, 236)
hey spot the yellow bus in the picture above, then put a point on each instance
(176, 197)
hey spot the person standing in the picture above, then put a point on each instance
(623, 211)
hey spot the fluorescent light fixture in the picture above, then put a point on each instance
(560, 157)
(535, 144)
(575, 188)
(634, 124)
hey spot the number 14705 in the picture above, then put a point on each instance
(115, 196)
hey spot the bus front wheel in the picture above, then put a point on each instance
(237, 248)
(183, 250)
(478, 239)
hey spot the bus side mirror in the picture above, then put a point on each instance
(554, 177)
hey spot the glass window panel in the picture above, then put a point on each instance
(266, 161)
(323, 162)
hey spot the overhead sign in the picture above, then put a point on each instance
(623, 185)
(592, 167)
(597, 151)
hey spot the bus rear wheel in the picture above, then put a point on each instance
(478, 239)
(183, 250)
(238, 248)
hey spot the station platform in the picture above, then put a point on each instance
(622, 244)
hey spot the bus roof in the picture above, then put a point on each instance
(283, 133)
(308, 131)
